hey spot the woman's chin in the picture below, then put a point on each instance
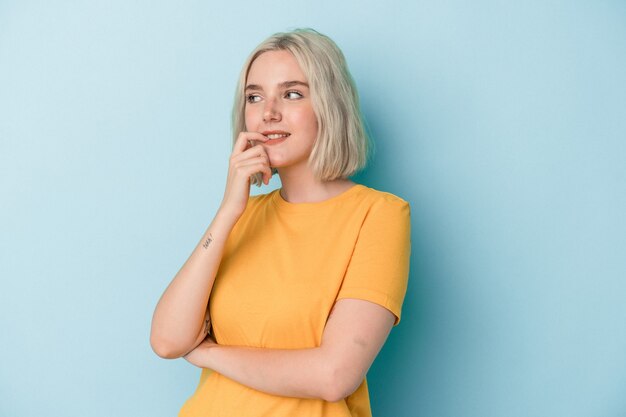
(275, 161)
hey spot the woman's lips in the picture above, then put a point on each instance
(275, 136)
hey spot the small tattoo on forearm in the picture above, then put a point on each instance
(208, 241)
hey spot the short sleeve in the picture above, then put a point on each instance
(379, 267)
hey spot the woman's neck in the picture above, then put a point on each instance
(302, 187)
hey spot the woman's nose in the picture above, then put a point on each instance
(271, 113)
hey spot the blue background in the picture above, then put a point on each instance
(502, 123)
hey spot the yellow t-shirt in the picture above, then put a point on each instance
(284, 266)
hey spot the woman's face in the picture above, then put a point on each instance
(278, 105)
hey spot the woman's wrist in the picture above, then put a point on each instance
(227, 215)
(201, 355)
(208, 359)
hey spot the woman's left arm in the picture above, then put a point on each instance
(354, 334)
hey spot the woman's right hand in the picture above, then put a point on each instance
(246, 160)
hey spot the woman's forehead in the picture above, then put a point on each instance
(274, 68)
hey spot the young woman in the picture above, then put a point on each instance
(289, 296)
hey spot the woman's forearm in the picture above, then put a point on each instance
(180, 315)
(354, 334)
(301, 373)
(177, 323)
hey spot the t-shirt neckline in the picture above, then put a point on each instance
(285, 205)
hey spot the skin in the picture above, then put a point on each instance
(278, 100)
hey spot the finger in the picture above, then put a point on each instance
(244, 138)
(245, 164)
(250, 169)
(267, 176)
(253, 152)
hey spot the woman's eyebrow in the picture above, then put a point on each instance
(285, 84)
(253, 87)
(288, 84)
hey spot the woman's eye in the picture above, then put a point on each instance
(252, 98)
(293, 95)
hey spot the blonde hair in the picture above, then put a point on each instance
(342, 146)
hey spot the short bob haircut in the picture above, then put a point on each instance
(342, 146)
